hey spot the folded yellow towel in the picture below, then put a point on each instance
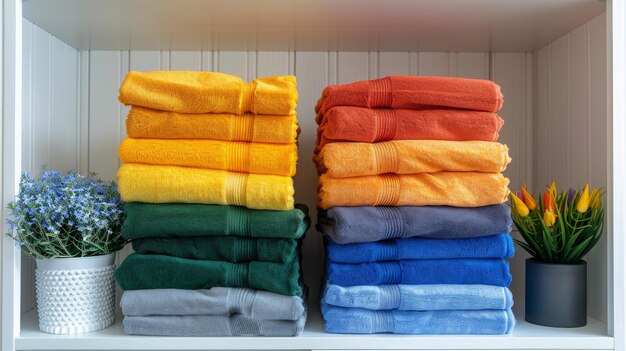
(163, 184)
(276, 159)
(459, 189)
(148, 123)
(209, 92)
(340, 160)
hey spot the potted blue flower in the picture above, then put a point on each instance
(70, 224)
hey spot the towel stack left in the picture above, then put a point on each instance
(209, 206)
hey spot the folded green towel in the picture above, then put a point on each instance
(166, 272)
(221, 248)
(186, 220)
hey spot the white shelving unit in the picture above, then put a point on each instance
(560, 64)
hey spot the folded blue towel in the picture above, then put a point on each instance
(450, 271)
(364, 224)
(361, 321)
(419, 297)
(493, 246)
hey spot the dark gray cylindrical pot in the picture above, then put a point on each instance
(556, 294)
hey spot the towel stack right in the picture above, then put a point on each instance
(412, 207)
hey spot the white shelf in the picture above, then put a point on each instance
(525, 337)
(348, 25)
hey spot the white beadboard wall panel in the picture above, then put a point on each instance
(145, 60)
(273, 63)
(312, 70)
(578, 105)
(40, 103)
(571, 123)
(124, 68)
(393, 63)
(104, 112)
(597, 151)
(233, 62)
(543, 148)
(512, 72)
(50, 116)
(27, 72)
(558, 100)
(353, 66)
(433, 64)
(83, 113)
(63, 107)
(28, 266)
(473, 65)
(185, 60)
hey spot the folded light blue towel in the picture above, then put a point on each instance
(493, 246)
(450, 271)
(360, 321)
(419, 297)
(364, 224)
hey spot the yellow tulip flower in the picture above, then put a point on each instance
(528, 199)
(552, 189)
(583, 201)
(594, 199)
(549, 218)
(520, 206)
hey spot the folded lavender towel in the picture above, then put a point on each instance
(493, 246)
(365, 224)
(256, 304)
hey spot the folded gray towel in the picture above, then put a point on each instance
(255, 304)
(203, 325)
(365, 224)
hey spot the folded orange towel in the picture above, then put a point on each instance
(341, 160)
(459, 189)
(164, 184)
(346, 123)
(209, 92)
(410, 92)
(147, 123)
(276, 159)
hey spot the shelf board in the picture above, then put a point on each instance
(348, 25)
(525, 337)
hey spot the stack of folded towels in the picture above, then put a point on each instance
(413, 212)
(209, 206)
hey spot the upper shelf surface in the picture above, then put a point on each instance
(385, 25)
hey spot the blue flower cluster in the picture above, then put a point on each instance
(66, 215)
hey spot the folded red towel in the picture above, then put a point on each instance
(412, 92)
(347, 123)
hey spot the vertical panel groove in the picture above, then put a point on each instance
(30, 92)
(589, 108)
(50, 103)
(549, 106)
(569, 104)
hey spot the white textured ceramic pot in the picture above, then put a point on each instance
(75, 295)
